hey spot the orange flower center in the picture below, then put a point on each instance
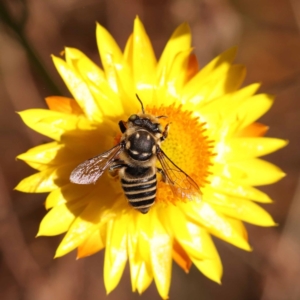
(186, 145)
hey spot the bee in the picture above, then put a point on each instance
(134, 160)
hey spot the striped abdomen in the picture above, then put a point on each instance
(139, 185)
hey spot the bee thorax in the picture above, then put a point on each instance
(140, 145)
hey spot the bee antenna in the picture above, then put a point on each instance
(159, 117)
(141, 103)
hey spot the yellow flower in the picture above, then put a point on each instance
(213, 137)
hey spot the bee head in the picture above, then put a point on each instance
(147, 122)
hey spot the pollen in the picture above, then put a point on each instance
(187, 146)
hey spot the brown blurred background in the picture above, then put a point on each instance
(267, 33)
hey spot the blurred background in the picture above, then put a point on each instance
(267, 33)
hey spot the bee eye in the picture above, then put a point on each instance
(160, 128)
(133, 117)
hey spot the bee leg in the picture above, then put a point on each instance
(165, 132)
(116, 166)
(162, 173)
(122, 126)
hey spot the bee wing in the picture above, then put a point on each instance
(90, 170)
(181, 184)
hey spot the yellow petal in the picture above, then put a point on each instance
(46, 180)
(64, 105)
(241, 209)
(91, 245)
(217, 68)
(87, 69)
(246, 172)
(111, 55)
(224, 58)
(43, 153)
(240, 117)
(181, 257)
(134, 264)
(59, 219)
(68, 193)
(196, 241)
(53, 124)
(222, 107)
(235, 77)
(143, 247)
(248, 147)
(253, 130)
(215, 223)
(168, 90)
(115, 252)
(128, 51)
(79, 89)
(191, 236)
(35, 119)
(143, 253)
(144, 62)
(211, 268)
(128, 80)
(192, 67)
(222, 85)
(256, 172)
(161, 255)
(108, 102)
(82, 143)
(229, 187)
(252, 109)
(41, 156)
(89, 220)
(175, 78)
(180, 41)
(139, 251)
(144, 277)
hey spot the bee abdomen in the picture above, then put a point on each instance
(141, 193)
(136, 188)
